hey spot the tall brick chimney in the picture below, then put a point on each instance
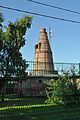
(43, 61)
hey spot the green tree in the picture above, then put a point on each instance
(1, 20)
(11, 62)
(64, 90)
(53, 91)
(12, 42)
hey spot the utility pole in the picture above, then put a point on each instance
(50, 34)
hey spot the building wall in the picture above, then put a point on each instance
(34, 85)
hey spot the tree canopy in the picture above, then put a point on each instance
(11, 40)
(11, 61)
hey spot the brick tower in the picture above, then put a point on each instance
(43, 69)
(43, 61)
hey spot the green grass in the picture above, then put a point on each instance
(35, 109)
(42, 112)
(21, 102)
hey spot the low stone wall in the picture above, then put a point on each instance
(34, 85)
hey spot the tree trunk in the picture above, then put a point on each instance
(2, 94)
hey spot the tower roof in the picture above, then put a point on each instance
(42, 30)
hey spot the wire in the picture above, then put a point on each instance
(43, 15)
(54, 7)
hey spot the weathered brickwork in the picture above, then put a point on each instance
(43, 61)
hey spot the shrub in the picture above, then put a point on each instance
(64, 90)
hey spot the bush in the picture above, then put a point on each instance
(64, 90)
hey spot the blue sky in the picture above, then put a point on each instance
(65, 43)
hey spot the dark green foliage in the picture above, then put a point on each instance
(11, 62)
(64, 90)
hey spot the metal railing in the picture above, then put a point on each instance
(61, 68)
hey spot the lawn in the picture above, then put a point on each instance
(16, 108)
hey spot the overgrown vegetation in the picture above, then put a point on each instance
(64, 90)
